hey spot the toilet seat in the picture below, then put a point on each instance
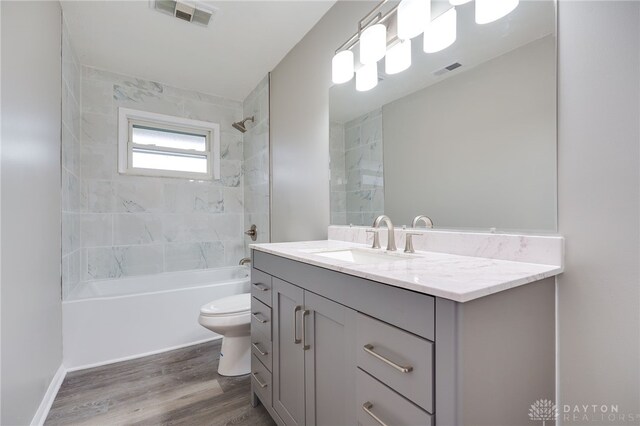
(228, 306)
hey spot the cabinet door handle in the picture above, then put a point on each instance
(368, 348)
(367, 406)
(261, 320)
(261, 286)
(304, 328)
(255, 345)
(260, 383)
(295, 325)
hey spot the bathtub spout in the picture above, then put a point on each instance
(244, 261)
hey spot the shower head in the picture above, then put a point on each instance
(240, 125)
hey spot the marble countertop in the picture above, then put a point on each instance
(450, 276)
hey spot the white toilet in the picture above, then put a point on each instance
(231, 317)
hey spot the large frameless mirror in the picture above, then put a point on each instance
(465, 135)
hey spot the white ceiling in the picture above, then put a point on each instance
(244, 41)
(475, 45)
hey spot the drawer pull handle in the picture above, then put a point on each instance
(260, 320)
(260, 383)
(255, 345)
(261, 286)
(295, 325)
(403, 369)
(367, 406)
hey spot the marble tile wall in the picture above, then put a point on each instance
(256, 161)
(130, 225)
(338, 177)
(71, 166)
(357, 176)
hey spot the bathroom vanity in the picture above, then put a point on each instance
(343, 334)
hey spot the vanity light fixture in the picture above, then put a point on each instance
(413, 16)
(373, 44)
(441, 32)
(398, 57)
(491, 10)
(342, 67)
(367, 77)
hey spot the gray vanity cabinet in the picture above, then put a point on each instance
(312, 358)
(350, 351)
(288, 353)
(329, 359)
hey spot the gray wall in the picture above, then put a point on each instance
(300, 127)
(598, 201)
(599, 294)
(31, 309)
(484, 138)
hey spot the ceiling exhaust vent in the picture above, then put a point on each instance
(194, 12)
(447, 69)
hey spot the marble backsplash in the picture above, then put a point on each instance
(126, 225)
(539, 249)
(357, 176)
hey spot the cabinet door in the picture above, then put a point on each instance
(288, 354)
(330, 367)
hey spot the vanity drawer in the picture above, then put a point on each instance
(261, 381)
(261, 332)
(260, 319)
(261, 286)
(400, 360)
(375, 399)
(261, 349)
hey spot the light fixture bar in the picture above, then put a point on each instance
(369, 20)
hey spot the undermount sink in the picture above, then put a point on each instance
(363, 256)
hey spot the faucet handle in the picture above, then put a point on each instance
(376, 238)
(408, 246)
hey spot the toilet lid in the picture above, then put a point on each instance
(228, 305)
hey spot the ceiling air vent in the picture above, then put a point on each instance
(193, 12)
(447, 69)
(184, 11)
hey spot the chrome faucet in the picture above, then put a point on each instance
(391, 240)
(408, 247)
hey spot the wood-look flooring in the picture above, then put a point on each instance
(180, 387)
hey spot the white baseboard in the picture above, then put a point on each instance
(127, 358)
(49, 396)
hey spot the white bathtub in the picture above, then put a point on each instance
(113, 320)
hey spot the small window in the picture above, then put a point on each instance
(161, 145)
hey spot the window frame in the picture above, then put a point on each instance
(127, 118)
